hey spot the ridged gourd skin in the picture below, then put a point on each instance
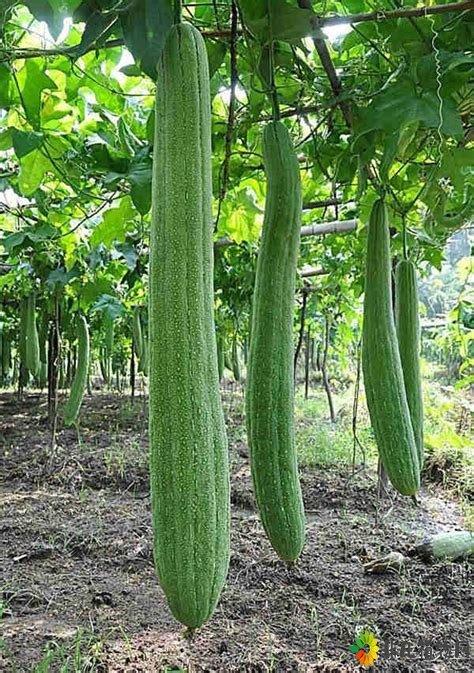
(270, 387)
(381, 364)
(188, 444)
(453, 545)
(32, 339)
(79, 383)
(407, 322)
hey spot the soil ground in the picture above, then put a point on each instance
(80, 592)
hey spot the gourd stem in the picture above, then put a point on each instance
(404, 233)
(274, 95)
(178, 10)
(273, 90)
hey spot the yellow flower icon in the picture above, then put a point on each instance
(365, 649)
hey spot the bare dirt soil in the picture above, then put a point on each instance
(80, 592)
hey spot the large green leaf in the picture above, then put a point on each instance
(99, 26)
(53, 12)
(216, 51)
(284, 22)
(33, 168)
(60, 277)
(145, 26)
(401, 104)
(33, 81)
(25, 142)
(140, 181)
(5, 10)
(115, 224)
(7, 90)
(109, 306)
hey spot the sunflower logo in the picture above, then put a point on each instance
(365, 649)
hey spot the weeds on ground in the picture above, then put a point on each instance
(81, 655)
(322, 443)
(449, 450)
(122, 455)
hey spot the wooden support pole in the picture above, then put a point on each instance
(321, 229)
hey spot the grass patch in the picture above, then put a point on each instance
(80, 655)
(320, 442)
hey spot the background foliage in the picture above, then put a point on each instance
(378, 105)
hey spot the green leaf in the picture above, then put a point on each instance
(115, 224)
(5, 10)
(145, 26)
(389, 154)
(25, 142)
(285, 22)
(243, 217)
(109, 306)
(60, 277)
(6, 140)
(33, 81)
(128, 252)
(455, 164)
(94, 288)
(33, 168)
(98, 27)
(107, 158)
(6, 86)
(140, 181)
(64, 6)
(216, 51)
(400, 104)
(43, 232)
(465, 383)
(13, 240)
(131, 70)
(53, 12)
